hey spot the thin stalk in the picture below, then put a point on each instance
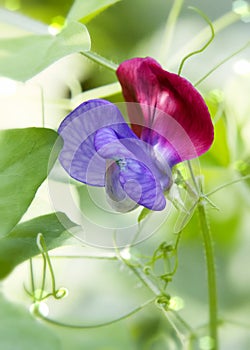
(169, 30)
(99, 92)
(96, 257)
(247, 177)
(61, 324)
(100, 60)
(197, 188)
(181, 327)
(212, 288)
(205, 45)
(221, 23)
(158, 294)
(221, 63)
(32, 279)
(210, 264)
(43, 249)
(44, 276)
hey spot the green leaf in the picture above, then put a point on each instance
(19, 330)
(24, 157)
(87, 10)
(21, 244)
(23, 57)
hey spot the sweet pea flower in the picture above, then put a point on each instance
(170, 123)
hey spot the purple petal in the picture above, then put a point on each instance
(141, 185)
(129, 179)
(78, 156)
(133, 174)
(169, 105)
(112, 145)
(116, 196)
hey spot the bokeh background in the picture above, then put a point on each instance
(102, 290)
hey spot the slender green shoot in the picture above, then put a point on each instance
(203, 47)
(98, 325)
(100, 60)
(221, 63)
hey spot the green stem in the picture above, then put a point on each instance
(44, 276)
(100, 60)
(169, 30)
(32, 279)
(61, 324)
(99, 92)
(95, 257)
(205, 45)
(221, 23)
(221, 63)
(246, 177)
(210, 261)
(158, 293)
(43, 249)
(181, 327)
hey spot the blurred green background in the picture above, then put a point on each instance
(100, 290)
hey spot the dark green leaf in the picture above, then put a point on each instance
(87, 10)
(23, 57)
(21, 243)
(24, 157)
(20, 331)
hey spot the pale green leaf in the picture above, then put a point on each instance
(24, 157)
(21, 243)
(23, 57)
(87, 10)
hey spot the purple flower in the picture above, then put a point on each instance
(170, 123)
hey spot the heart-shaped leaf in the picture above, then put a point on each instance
(23, 57)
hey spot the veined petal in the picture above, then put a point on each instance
(169, 105)
(110, 144)
(116, 196)
(129, 179)
(135, 174)
(78, 156)
(141, 185)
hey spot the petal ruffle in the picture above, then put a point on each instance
(78, 156)
(169, 105)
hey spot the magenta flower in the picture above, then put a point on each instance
(170, 124)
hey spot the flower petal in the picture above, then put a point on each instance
(111, 144)
(132, 172)
(132, 180)
(141, 185)
(169, 105)
(78, 156)
(116, 196)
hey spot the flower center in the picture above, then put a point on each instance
(121, 163)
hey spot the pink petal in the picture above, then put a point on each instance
(169, 105)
